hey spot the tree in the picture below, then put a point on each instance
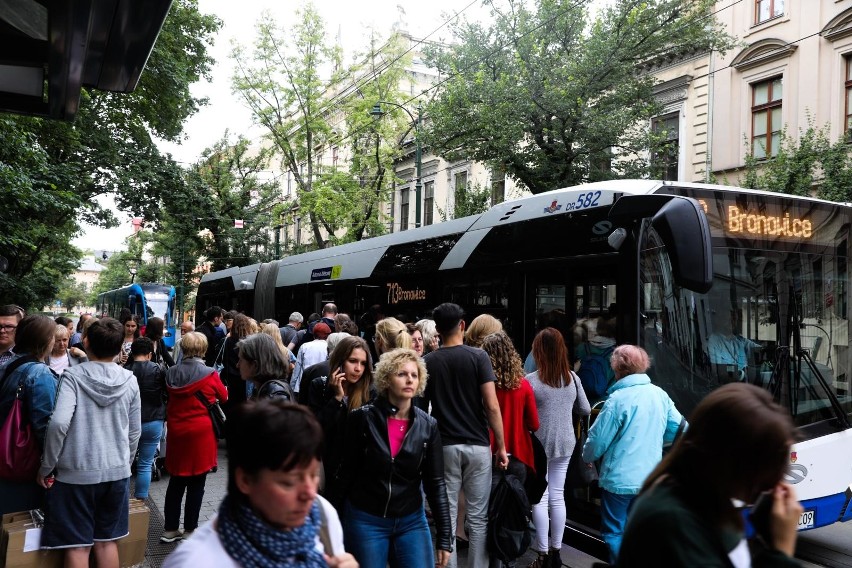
(72, 293)
(54, 172)
(296, 88)
(469, 200)
(350, 199)
(551, 93)
(281, 84)
(809, 165)
(226, 185)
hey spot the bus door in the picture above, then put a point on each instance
(571, 301)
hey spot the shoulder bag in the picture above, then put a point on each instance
(580, 473)
(219, 363)
(217, 415)
(20, 455)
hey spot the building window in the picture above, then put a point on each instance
(335, 155)
(428, 202)
(460, 187)
(849, 99)
(404, 195)
(766, 118)
(298, 231)
(664, 160)
(767, 9)
(498, 190)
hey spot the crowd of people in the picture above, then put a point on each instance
(338, 438)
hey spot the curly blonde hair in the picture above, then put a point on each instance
(504, 359)
(391, 362)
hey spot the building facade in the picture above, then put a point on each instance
(792, 69)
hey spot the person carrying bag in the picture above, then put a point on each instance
(27, 397)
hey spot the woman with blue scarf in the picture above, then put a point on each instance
(272, 515)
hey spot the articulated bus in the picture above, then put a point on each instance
(145, 301)
(674, 263)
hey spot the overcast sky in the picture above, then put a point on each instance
(350, 19)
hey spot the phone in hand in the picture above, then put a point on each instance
(760, 516)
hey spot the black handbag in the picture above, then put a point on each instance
(580, 473)
(217, 415)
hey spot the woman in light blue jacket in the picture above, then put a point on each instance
(628, 436)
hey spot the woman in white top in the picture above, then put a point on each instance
(272, 515)
(61, 357)
(558, 392)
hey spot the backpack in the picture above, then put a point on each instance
(595, 372)
(509, 514)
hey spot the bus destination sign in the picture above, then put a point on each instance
(397, 293)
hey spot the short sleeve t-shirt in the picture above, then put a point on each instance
(456, 375)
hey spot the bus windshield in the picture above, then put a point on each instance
(158, 306)
(763, 303)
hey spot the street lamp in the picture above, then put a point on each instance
(377, 112)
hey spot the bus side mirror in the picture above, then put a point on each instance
(682, 225)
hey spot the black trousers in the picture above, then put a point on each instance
(194, 488)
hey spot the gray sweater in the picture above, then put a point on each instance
(95, 427)
(555, 405)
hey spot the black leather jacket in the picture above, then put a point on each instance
(377, 484)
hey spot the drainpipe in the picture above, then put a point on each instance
(711, 77)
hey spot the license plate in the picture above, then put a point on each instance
(806, 521)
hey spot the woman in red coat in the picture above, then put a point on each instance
(193, 447)
(516, 398)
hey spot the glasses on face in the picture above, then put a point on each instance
(8, 328)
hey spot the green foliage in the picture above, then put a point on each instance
(72, 294)
(198, 224)
(294, 83)
(471, 200)
(52, 173)
(550, 94)
(809, 165)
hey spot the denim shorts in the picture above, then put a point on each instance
(80, 515)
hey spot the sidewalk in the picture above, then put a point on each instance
(217, 487)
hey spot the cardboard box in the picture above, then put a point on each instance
(14, 537)
(131, 552)
(131, 549)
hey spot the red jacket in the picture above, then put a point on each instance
(192, 447)
(520, 417)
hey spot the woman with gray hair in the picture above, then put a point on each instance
(391, 439)
(261, 362)
(628, 436)
(429, 333)
(190, 438)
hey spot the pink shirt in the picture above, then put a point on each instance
(396, 434)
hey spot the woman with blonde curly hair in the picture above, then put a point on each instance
(391, 334)
(481, 326)
(391, 439)
(515, 395)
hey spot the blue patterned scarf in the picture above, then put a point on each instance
(255, 544)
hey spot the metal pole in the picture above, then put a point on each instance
(180, 304)
(418, 166)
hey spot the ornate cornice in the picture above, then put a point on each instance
(673, 90)
(763, 51)
(839, 27)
